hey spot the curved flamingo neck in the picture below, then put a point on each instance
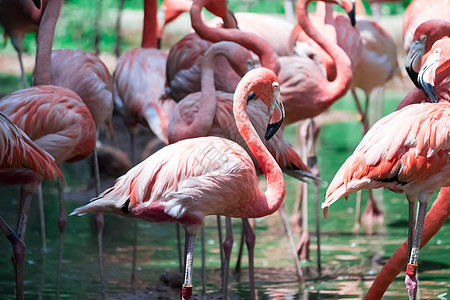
(270, 201)
(205, 115)
(337, 88)
(46, 33)
(149, 32)
(248, 40)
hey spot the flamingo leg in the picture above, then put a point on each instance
(99, 222)
(180, 260)
(288, 233)
(134, 258)
(316, 202)
(62, 220)
(250, 240)
(203, 261)
(219, 228)
(42, 217)
(410, 227)
(227, 247)
(410, 279)
(237, 269)
(18, 255)
(186, 293)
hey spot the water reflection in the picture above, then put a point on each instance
(350, 262)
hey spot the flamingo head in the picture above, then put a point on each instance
(427, 73)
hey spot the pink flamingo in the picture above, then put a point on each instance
(209, 113)
(18, 155)
(412, 158)
(162, 188)
(419, 11)
(406, 151)
(139, 81)
(67, 139)
(18, 17)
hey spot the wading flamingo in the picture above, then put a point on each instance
(188, 180)
(209, 113)
(406, 151)
(18, 155)
(18, 17)
(69, 139)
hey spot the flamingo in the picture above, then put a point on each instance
(67, 139)
(18, 17)
(419, 11)
(18, 155)
(406, 151)
(209, 113)
(193, 178)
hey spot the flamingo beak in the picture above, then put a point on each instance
(37, 3)
(413, 61)
(352, 14)
(276, 114)
(427, 75)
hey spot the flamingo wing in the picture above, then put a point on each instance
(405, 151)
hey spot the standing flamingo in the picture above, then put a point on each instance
(67, 139)
(193, 178)
(18, 17)
(18, 155)
(406, 151)
(209, 113)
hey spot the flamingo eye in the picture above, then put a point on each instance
(275, 85)
(423, 38)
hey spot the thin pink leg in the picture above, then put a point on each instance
(18, 256)
(411, 268)
(250, 240)
(227, 247)
(186, 293)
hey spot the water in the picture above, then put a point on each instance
(350, 261)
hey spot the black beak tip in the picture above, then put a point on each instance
(429, 90)
(37, 3)
(272, 129)
(413, 75)
(352, 16)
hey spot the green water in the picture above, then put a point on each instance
(350, 261)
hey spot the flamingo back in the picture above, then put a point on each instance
(406, 151)
(139, 81)
(184, 182)
(85, 74)
(55, 118)
(17, 150)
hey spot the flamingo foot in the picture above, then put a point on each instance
(303, 246)
(411, 286)
(372, 215)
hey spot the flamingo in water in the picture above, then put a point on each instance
(406, 151)
(193, 178)
(69, 138)
(26, 161)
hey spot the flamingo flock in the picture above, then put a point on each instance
(218, 100)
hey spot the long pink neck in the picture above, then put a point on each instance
(337, 88)
(248, 40)
(270, 201)
(325, 12)
(46, 34)
(149, 33)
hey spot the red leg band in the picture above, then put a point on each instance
(411, 269)
(186, 292)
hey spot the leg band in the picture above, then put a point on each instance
(186, 292)
(411, 269)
